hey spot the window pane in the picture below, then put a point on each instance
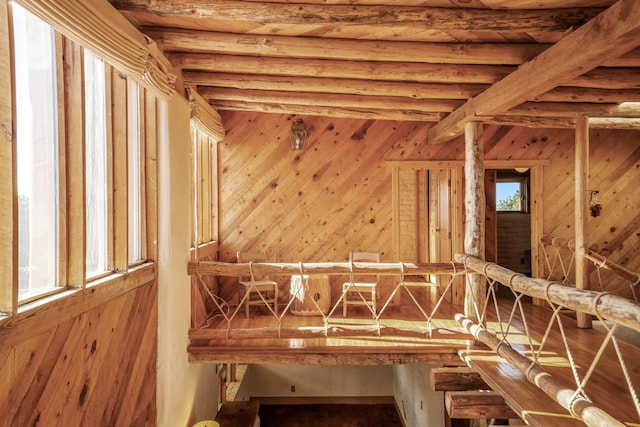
(508, 196)
(133, 158)
(37, 153)
(96, 164)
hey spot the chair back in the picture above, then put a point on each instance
(252, 256)
(365, 257)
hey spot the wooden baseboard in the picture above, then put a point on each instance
(324, 400)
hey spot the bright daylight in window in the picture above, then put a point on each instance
(508, 196)
(96, 165)
(133, 178)
(37, 154)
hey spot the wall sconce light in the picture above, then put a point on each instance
(521, 170)
(298, 135)
(594, 206)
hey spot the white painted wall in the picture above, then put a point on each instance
(418, 404)
(273, 380)
(186, 393)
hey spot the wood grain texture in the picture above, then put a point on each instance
(97, 368)
(335, 196)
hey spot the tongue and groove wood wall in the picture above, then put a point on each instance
(312, 205)
(94, 368)
(335, 196)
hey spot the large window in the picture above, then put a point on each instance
(37, 154)
(134, 171)
(97, 219)
(80, 188)
(203, 187)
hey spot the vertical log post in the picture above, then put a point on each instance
(474, 219)
(580, 210)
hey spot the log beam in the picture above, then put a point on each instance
(325, 268)
(474, 238)
(330, 100)
(457, 379)
(608, 35)
(336, 85)
(346, 15)
(478, 404)
(603, 262)
(331, 68)
(577, 405)
(612, 307)
(353, 50)
(320, 110)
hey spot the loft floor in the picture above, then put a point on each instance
(403, 336)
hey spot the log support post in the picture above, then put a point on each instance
(474, 196)
(580, 210)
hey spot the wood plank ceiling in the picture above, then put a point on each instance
(422, 60)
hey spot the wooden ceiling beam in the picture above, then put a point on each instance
(391, 88)
(330, 100)
(477, 405)
(418, 17)
(334, 85)
(311, 110)
(610, 34)
(563, 122)
(180, 40)
(568, 109)
(600, 78)
(367, 70)
(355, 50)
(459, 378)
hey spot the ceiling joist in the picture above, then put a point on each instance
(527, 63)
(610, 34)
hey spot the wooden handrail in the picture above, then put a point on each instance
(612, 307)
(582, 409)
(545, 239)
(603, 262)
(325, 268)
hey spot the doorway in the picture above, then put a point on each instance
(509, 220)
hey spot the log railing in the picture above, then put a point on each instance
(560, 256)
(613, 308)
(405, 271)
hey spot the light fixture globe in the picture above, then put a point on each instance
(298, 135)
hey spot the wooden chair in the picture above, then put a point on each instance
(356, 293)
(258, 289)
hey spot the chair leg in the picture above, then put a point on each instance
(275, 300)
(373, 301)
(246, 305)
(344, 304)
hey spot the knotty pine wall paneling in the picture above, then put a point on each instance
(335, 196)
(97, 368)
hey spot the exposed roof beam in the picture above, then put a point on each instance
(603, 77)
(338, 112)
(335, 85)
(564, 122)
(176, 40)
(368, 70)
(417, 17)
(354, 50)
(562, 109)
(391, 88)
(610, 34)
(330, 100)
